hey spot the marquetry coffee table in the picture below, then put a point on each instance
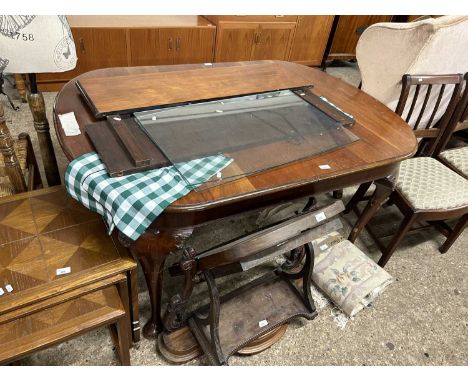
(384, 140)
(54, 250)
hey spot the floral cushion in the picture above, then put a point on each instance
(427, 184)
(458, 158)
(346, 275)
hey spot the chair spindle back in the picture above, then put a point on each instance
(425, 94)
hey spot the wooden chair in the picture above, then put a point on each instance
(431, 133)
(57, 261)
(424, 189)
(456, 158)
(17, 159)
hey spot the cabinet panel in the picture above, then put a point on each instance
(100, 48)
(95, 48)
(152, 46)
(310, 39)
(194, 45)
(346, 38)
(234, 41)
(273, 42)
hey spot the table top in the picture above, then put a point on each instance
(384, 138)
(44, 232)
(134, 21)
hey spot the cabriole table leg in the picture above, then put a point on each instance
(152, 249)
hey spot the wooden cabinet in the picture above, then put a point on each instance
(107, 41)
(347, 34)
(310, 39)
(171, 46)
(245, 41)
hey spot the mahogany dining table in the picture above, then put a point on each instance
(384, 140)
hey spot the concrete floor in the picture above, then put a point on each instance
(421, 319)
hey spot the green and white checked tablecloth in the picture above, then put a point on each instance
(132, 202)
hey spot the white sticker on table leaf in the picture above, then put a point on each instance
(63, 271)
(9, 288)
(321, 216)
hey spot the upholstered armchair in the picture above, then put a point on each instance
(387, 51)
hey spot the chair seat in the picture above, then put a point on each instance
(458, 158)
(21, 149)
(429, 185)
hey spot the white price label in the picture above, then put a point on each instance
(323, 247)
(324, 167)
(321, 216)
(63, 271)
(69, 124)
(262, 323)
(1, 292)
(9, 288)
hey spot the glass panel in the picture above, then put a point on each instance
(258, 132)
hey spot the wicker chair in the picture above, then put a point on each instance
(18, 166)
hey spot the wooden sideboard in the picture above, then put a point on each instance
(113, 41)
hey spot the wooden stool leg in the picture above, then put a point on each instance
(402, 230)
(21, 87)
(357, 197)
(41, 124)
(457, 230)
(383, 189)
(134, 313)
(123, 289)
(122, 326)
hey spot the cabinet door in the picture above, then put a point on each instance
(194, 45)
(234, 41)
(273, 41)
(310, 39)
(152, 46)
(95, 48)
(100, 48)
(346, 36)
